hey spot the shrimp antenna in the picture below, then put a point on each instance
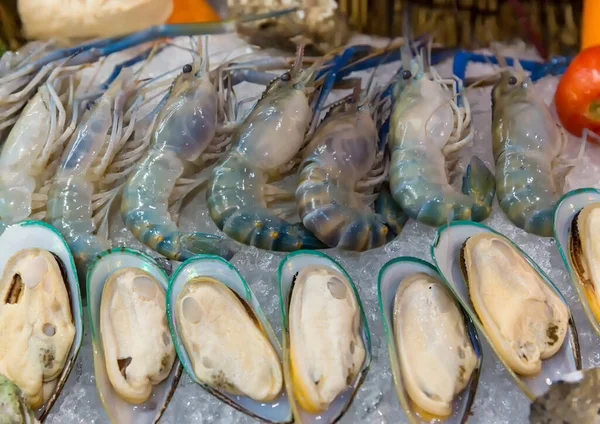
(298, 60)
(381, 62)
(205, 57)
(156, 48)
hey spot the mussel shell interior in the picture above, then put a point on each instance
(565, 214)
(390, 277)
(118, 409)
(37, 234)
(288, 270)
(445, 252)
(277, 411)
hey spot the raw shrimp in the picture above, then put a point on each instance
(263, 147)
(183, 141)
(30, 154)
(81, 190)
(338, 176)
(427, 131)
(528, 146)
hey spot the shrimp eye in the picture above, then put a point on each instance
(512, 80)
(406, 74)
(187, 69)
(286, 76)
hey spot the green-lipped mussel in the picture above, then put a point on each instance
(224, 340)
(327, 348)
(434, 347)
(40, 313)
(134, 356)
(515, 306)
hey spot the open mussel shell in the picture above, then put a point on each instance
(391, 276)
(119, 410)
(214, 267)
(37, 234)
(446, 254)
(565, 214)
(289, 269)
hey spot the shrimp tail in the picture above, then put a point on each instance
(479, 184)
(392, 214)
(264, 230)
(163, 236)
(85, 248)
(536, 218)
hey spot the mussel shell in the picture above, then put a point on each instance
(566, 210)
(390, 277)
(120, 411)
(37, 234)
(290, 266)
(446, 252)
(277, 411)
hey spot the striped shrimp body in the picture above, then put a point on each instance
(79, 192)
(528, 145)
(262, 148)
(183, 137)
(30, 154)
(426, 133)
(335, 178)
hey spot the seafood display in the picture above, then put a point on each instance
(40, 316)
(112, 153)
(528, 146)
(427, 131)
(134, 356)
(326, 342)
(434, 348)
(338, 175)
(576, 228)
(238, 195)
(537, 339)
(224, 340)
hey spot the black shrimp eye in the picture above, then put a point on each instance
(286, 77)
(406, 74)
(512, 80)
(187, 69)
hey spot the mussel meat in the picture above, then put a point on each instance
(436, 354)
(225, 341)
(138, 349)
(36, 322)
(584, 248)
(327, 351)
(524, 318)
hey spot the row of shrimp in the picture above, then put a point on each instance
(342, 197)
(356, 185)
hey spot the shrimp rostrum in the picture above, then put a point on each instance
(264, 147)
(529, 147)
(428, 128)
(339, 177)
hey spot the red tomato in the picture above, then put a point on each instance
(577, 96)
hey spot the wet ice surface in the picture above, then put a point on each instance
(498, 399)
